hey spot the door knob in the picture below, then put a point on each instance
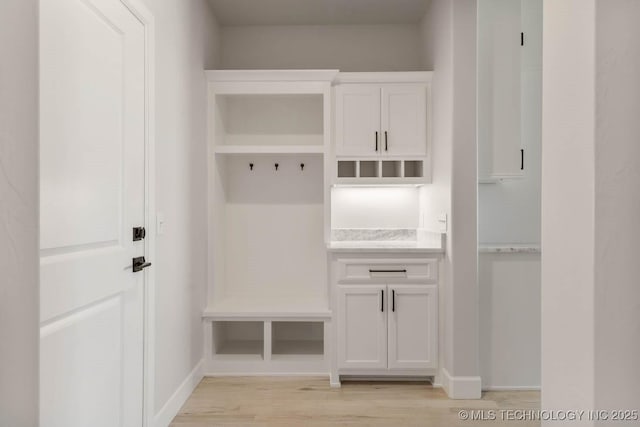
(140, 264)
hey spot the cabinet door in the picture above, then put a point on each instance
(499, 89)
(404, 119)
(362, 327)
(413, 326)
(358, 120)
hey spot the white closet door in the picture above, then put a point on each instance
(92, 112)
(358, 120)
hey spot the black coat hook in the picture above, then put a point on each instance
(301, 166)
(277, 166)
(251, 166)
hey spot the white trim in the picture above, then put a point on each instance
(512, 388)
(461, 387)
(321, 374)
(269, 149)
(385, 77)
(144, 15)
(271, 75)
(179, 397)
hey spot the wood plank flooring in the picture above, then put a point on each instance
(287, 401)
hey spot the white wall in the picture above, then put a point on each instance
(343, 47)
(568, 176)
(374, 207)
(449, 46)
(617, 205)
(186, 44)
(19, 255)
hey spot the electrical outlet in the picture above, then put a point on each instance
(442, 220)
(159, 223)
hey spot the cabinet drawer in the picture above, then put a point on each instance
(384, 271)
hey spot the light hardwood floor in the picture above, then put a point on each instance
(286, 401)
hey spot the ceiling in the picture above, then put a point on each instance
(318, 12)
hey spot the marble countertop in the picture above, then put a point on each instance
(512, 248)
(385, 240)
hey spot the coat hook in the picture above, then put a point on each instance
(301, 166)
(251, 166)
(277, 166)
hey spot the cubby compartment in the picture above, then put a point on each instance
(391, 169)
(269, 119)
(238, 339)
(347, 169)
(369, 168)
(413, 169)
(296, 340)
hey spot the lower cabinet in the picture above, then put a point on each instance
(387, 327)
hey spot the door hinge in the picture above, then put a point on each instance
(521, 39)
(139, 233)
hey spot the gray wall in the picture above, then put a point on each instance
(343, 47)
(617, 204)
(187, 43)
(19, 257)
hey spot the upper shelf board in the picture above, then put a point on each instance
(333, 76)
(269, 149)
(271, 75)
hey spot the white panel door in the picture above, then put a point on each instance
(404, 119)
(358, 120)
(499, 89)
(413, 327)
(92, 113)
(362, 334)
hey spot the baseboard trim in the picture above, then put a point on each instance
(461, 387)
(171, 408)
(511, 388)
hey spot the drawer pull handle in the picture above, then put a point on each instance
(387, 271)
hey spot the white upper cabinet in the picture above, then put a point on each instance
(404, 125)
(509, 85)
(383, 117)
(358, 120)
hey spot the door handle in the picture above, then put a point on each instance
(393, 300)
(139, 264)
(386, 141)
(376, 141)
(382, 301)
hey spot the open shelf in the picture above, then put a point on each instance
(296, 340)
(347, 168)
(238, 340)
(391, 168)
(269, 120)
(380, 172)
